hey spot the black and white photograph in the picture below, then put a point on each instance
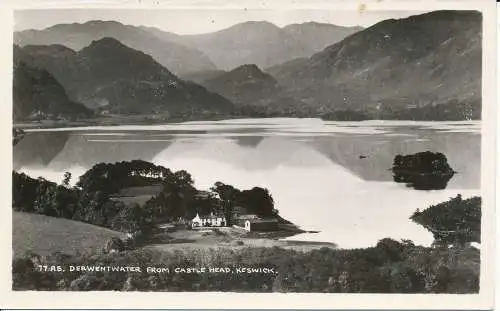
(245, 150)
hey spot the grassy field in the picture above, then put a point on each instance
(45, 235)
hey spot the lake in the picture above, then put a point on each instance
(328, 176)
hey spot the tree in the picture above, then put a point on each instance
(132, 218)
(258, 201)
(392, 249)
(24, 192)
(174, 200)
(183, 178)
(46, 202)
(403, 278)
(456, 221)
(228, 196)
(67, 179)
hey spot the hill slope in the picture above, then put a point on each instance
(426, 65)
(176, 57)
(112, 76)
(202, 76)
(317, 36)
(243, 85)
(37, 94)
(45, 235)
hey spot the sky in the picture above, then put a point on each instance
(199, 21)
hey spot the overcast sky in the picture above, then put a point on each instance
(199, 21)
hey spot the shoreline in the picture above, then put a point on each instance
(163, 240)
(230, 238)
(119, 120)
(113, 121)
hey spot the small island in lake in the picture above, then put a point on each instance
(423, 170)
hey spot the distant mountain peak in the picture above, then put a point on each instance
(108, 45)
(320, 24)
(106, 42)
(310, 23)
(249, 72)
(244, 84)
(247, 68)
(176, 57)
(90, 23)
(257, 26)
(263, 43)
(98, 22)
(257, 23)
(118, 57)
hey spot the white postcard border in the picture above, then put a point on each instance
(483, 300)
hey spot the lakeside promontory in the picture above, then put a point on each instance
(161, 206)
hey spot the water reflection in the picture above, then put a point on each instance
(423, 181)
(38, 149)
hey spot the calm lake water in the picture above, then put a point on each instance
(312, 167)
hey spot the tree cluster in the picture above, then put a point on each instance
(92, 199)
(256, 201)
(454, 222)
(423, 162)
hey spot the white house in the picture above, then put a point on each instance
(196, 221)
(208, 221)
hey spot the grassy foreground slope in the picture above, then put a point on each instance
(45, 235)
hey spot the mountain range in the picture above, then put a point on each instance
(415, 63)
(260, 43)
(176, 57)
(107, 75)
(425, 67)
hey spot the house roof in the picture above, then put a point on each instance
(262, 221)
(248, 216)
(202, 194)
(207, 217)
(211, 216)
